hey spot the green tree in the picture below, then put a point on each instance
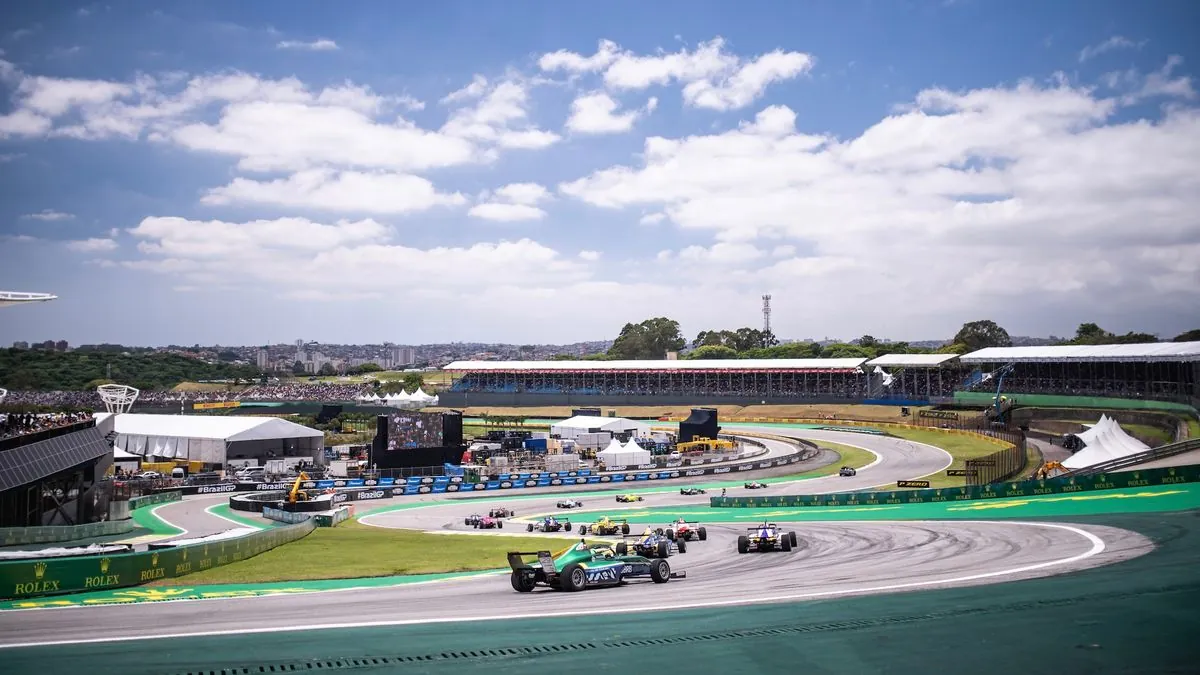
(326, 369)
(841, 350)
(867, 341)
(713, 352)
(227, 355)
(954, 348)
(298, 368)
(650, 339)
(981, 334)
(367, 368)
(1190, 336)
(413, 381)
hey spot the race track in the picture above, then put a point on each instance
(832, 560)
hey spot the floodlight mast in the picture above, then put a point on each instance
(3, 395)
(118, 398)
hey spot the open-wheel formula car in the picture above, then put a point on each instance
(585, 566)
(766, 537)
(569, 503)
(847, 471)
(549, 524)
(606, 526)
(473, 520)
(488, 523)
(502, 512)
(625, 499)
(684, 530)
(691, 491)
(755, 485)
(651, 544)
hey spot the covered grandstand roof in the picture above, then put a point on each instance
(912, 360)
(14, 298)
(1139, 353)
(616, 366)
(228, 429)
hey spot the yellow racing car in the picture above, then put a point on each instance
(625, 499)
(606, 526)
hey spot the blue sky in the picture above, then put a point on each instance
(240, 173)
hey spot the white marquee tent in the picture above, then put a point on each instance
(1103, 442)
(208, 439)
(573, 427)
(630, 454)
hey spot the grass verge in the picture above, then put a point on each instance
(353, 550)
(960, 447)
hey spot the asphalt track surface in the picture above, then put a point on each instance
(833, 560)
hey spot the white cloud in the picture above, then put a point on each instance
(590, 256)
(511, 203)
(473, 90)
(498, 118)
(1113, 43)
(652, 219)
(320, 45)
(308, 258)
(963, 190)
(596, 113)
(93, 245)
(1158, 84)
(346, 192)
(713, 77)
(49, 215)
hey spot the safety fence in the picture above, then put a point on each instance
(997, 467)
(49, 576)
(155, 498)
(1028, 488)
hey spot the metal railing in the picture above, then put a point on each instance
(1119, 463)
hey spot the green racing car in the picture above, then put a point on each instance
(584, 566)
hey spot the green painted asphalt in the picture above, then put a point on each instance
(1138, 616)
(227, 513)
(1129, 500)
(147, 519)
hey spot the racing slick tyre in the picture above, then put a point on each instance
(625, 528)
(521, 583)
(703, 534)
(785, 543)
(659, 532)
(660, 571)
(743, 544)
(681, 545)
(583, 529)
(662, 550)
(622, 548)
(792, 537)
(574, 578)
(567, 526)
(529, 527)
(477, 525)
(467, 522)
(670, 534)
(500, 524)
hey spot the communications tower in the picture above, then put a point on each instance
(766, 313)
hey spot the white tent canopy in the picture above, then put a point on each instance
(630, 454)
(200, 437)
(573, 427)
(1103, 442)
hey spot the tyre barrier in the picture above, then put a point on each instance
(50, 576)
(1017, 489)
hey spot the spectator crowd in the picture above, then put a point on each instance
(19, 424)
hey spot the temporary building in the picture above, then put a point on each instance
(214, 440)
(1104, 442)
(574, 427)
(628, 455)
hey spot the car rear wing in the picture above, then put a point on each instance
(756, 528)
(516, 560)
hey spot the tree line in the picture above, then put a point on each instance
(81, 370)
(654, 338)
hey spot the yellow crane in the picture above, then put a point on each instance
(296, 494)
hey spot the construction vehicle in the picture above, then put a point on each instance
(701, 445)
(1047, 470)
(296, 494)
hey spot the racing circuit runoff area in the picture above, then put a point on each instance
(1098, 582)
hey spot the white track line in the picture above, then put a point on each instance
(1097, 548)
(154, 512)
(230, 520)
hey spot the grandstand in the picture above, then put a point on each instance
(12, 298)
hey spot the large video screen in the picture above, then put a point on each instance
(414, 430)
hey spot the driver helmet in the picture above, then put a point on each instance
(648, 532)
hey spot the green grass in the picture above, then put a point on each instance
(353, 550)
(960, 447)
(849, 456)
(1193, 429)
(1150, 435)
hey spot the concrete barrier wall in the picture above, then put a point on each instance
(23, 536)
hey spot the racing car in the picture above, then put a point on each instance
(625, 499)
(606, 526)
(569, 503)
(488, 522)
(651, 544)
(682, 529)
(502, 512)
(766, 537)
(472, 520)
(585, 566)
(691, 491)
(847, 471)
(549, 524)
(755, 485)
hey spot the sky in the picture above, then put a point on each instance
(543, 172)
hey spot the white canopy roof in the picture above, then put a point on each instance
(629, 454)
(586, 422)
(912, 360)
(1139, 353)
(1104, 441)
(687, 364)
(121, 454)
(225, 428)
(17, 298)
